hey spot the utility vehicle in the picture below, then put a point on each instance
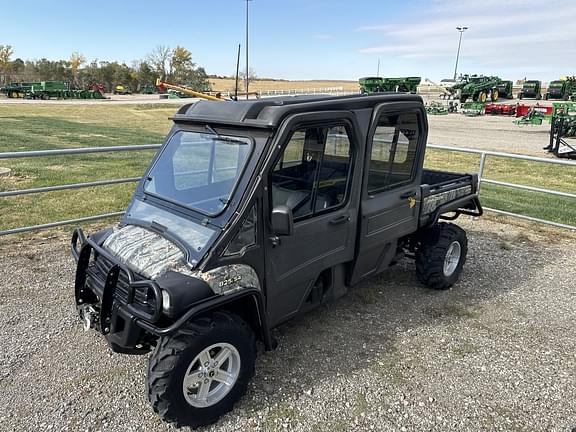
(253, 212)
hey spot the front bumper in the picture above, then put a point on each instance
(127, 308)
(115, 298)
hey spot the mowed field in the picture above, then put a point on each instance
(259, 85)
(42, 127)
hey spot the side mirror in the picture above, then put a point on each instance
(282, 222)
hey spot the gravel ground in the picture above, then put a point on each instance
(496, 133)
(497, 352)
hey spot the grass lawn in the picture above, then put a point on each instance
(41, 127)
(537, 174)
(44, 127)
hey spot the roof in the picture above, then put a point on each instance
(270, 112)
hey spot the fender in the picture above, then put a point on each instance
(215, 303)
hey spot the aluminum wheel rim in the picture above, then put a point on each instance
(211, 375)
(452, 258)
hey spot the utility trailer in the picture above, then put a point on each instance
(252, 213)
(370, 85)
(531, 89)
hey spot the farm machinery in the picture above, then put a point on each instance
(163, 86)
(563, 89)
(531, 89)
(500, 109)
(121, 89)
(50, 89)
(480, 88)
(563, 131)
(505, 89)
(377, 85)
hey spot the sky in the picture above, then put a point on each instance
(312, 39)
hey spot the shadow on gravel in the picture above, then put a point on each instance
(360, 331)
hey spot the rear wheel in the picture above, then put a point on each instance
(495, 95)
(197, 375)
(441, 255)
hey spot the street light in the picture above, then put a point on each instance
(461, 30)
(247, 69)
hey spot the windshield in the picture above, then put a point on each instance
(199, 170)
(556, 84)
(530, 85)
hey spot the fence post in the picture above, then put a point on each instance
(481, 168)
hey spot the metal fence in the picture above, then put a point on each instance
(79, 151)
(483, 158)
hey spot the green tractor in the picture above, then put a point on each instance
(377, 85)
(561, 89)
(480, 88)
(531, 89)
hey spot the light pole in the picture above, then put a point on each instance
(247, 69)
(461, 30)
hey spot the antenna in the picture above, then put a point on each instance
(237, 73)
(378, 70)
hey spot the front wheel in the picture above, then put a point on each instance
(440, 256)
(197, 375)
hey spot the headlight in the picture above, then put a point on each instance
(165, 301)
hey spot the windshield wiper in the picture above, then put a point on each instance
(224, 138)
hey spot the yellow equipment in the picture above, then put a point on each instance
(163, 85)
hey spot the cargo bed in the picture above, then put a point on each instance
(446, 192)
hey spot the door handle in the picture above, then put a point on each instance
(407, 195)
(340, 220)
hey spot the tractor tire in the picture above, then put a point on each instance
(198, 374)
(440, 256)
(546, 96)
(538, 96)
(482, 97)
(494, 95)
(520, 96)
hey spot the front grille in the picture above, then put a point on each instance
(143, 297)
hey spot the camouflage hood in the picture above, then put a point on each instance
(151, 255)
(145, 251)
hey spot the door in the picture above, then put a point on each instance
(391, 188)
(312, 175)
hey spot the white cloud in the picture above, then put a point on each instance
(515, 35)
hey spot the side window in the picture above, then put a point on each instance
(313, 172)
(246, 237)
(393, 154)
